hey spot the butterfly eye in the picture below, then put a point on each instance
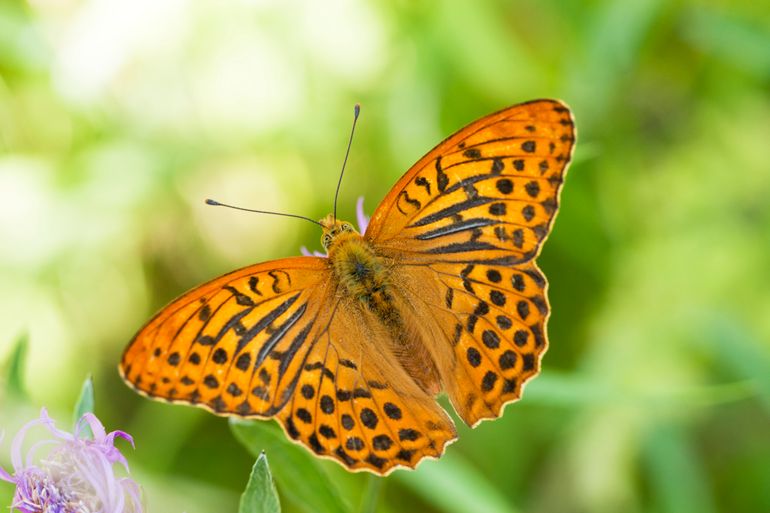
(347, 227)
(326, 240)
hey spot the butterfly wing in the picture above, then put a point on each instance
(234, 345)
(275, 339)
(486, 326)
(488, 192)
(466, 223)
(355, 403)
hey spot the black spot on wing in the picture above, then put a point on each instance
(536, 277)
(240, 298)
(423, 182)
(254, 285)
(409, 200)
(274, 275)
(442, 180)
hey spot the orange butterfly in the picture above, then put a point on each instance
(348, 351)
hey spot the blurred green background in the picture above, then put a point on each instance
(117, 118)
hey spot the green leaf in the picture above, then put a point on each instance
(298, 474)
(85, 402)
(453, 485)
(260, 495)
(16, 367)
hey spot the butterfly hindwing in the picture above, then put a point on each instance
(355, 404)
(497, 328)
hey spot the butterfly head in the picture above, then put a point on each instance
(332, 228)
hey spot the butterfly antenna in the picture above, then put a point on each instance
(357, 111)
(218, 204)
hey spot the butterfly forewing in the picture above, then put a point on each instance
(236, 344)
(486, 194)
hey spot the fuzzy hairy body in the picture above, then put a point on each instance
(366, 280)
(365, 277)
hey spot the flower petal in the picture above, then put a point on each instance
(96, 427)
(363, 219)
(18, 440)
(76, 474)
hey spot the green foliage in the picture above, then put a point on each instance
(298, 474)
(675, 472)
(85, 403)
(260, 495)
(115, 124)
(15, 365)
(455, 487)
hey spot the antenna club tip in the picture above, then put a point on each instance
(212, 202)
(357, 109)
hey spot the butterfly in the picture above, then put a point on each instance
(441, 293)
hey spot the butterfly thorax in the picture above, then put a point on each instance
(360, 273)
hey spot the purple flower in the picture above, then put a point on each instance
(363, 222)
(76, 475)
